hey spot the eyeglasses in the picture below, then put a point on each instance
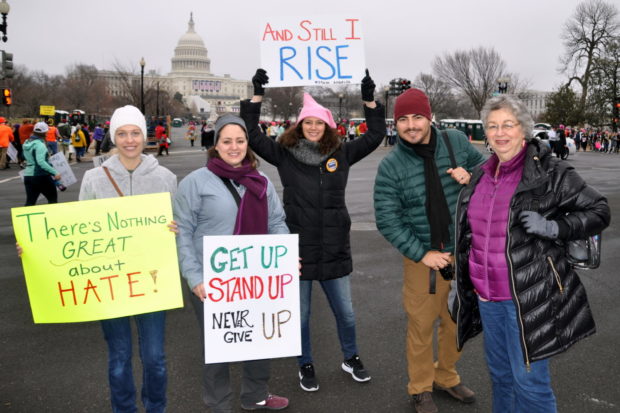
(493, 129)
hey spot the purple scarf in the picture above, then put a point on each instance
(252, 212)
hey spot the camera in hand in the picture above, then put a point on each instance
(447, 272)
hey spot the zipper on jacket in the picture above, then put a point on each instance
(456, 269)
(514, 293)
(556, 275)
(320, 264)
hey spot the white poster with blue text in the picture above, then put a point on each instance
(251, 309)
(312, 51)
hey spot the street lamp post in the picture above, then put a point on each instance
(502, 85)
(142, 64)
(387, 99)
(340, 96)
(275, 109)
(4, 10)
(290, 110)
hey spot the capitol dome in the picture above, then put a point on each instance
(190, 55)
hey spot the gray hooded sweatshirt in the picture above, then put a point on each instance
(148, 178)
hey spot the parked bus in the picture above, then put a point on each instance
(77, 116)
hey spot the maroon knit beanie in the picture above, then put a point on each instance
(412, 102)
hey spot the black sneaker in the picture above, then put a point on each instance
(356, 369)
(307, 379)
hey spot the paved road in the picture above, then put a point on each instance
(62, 368)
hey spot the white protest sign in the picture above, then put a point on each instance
(251, 311)
(12, 153)
(98, 160)
(59, 162)
(310, 51)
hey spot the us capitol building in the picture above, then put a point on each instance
(203, 92)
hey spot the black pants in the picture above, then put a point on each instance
(161, 150)
(216, 377)
(36, 185)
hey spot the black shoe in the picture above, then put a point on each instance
(307, 379)
(356, 369)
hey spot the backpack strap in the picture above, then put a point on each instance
(446, 139)
(232, 190)
(107, 172)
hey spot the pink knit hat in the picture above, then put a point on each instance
(311, 108)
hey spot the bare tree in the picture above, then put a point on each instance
(518, 86)
(33, 89)
(593, 24)
(473, 72)
(283, 102)
(84, 89)
(438, 92)
(130, 89)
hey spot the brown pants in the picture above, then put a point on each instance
(423, 309)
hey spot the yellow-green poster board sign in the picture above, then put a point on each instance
(45, 110)
(99, 259)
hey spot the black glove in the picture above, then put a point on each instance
(259, 80)
(368, 88)
(536, 224)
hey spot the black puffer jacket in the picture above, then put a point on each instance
(314, 195)
(552, 307)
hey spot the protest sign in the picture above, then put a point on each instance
(99, 160)
(47, 110)
(59, 162)
(304, 51)
(12, 153)
(252, 306)
(99, 259)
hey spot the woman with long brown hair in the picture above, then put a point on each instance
(313, 165)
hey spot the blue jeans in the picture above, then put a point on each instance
(117, 333)
(515, 390)
(52, 147)
(79, 152)
(338, 292)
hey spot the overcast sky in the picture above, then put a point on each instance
(402, 37)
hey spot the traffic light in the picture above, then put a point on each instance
(7, 96)
(398, 86)
(394, 88)
(7, 65)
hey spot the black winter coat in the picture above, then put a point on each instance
(552, 306)
(314, 195)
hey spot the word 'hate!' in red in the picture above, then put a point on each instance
(109, 284)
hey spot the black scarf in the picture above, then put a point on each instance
(437, 209)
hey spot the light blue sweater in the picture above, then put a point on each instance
(204, 206)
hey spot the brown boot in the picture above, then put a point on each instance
(459, 392)
(423, 402)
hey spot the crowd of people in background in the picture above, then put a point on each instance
(595, 140)
(70, 140)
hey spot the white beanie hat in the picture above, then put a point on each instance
(127, 115)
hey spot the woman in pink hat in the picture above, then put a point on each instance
(313, 165)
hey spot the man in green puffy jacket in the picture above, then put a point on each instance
(416, 190)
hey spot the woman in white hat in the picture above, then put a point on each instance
(130, 172)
